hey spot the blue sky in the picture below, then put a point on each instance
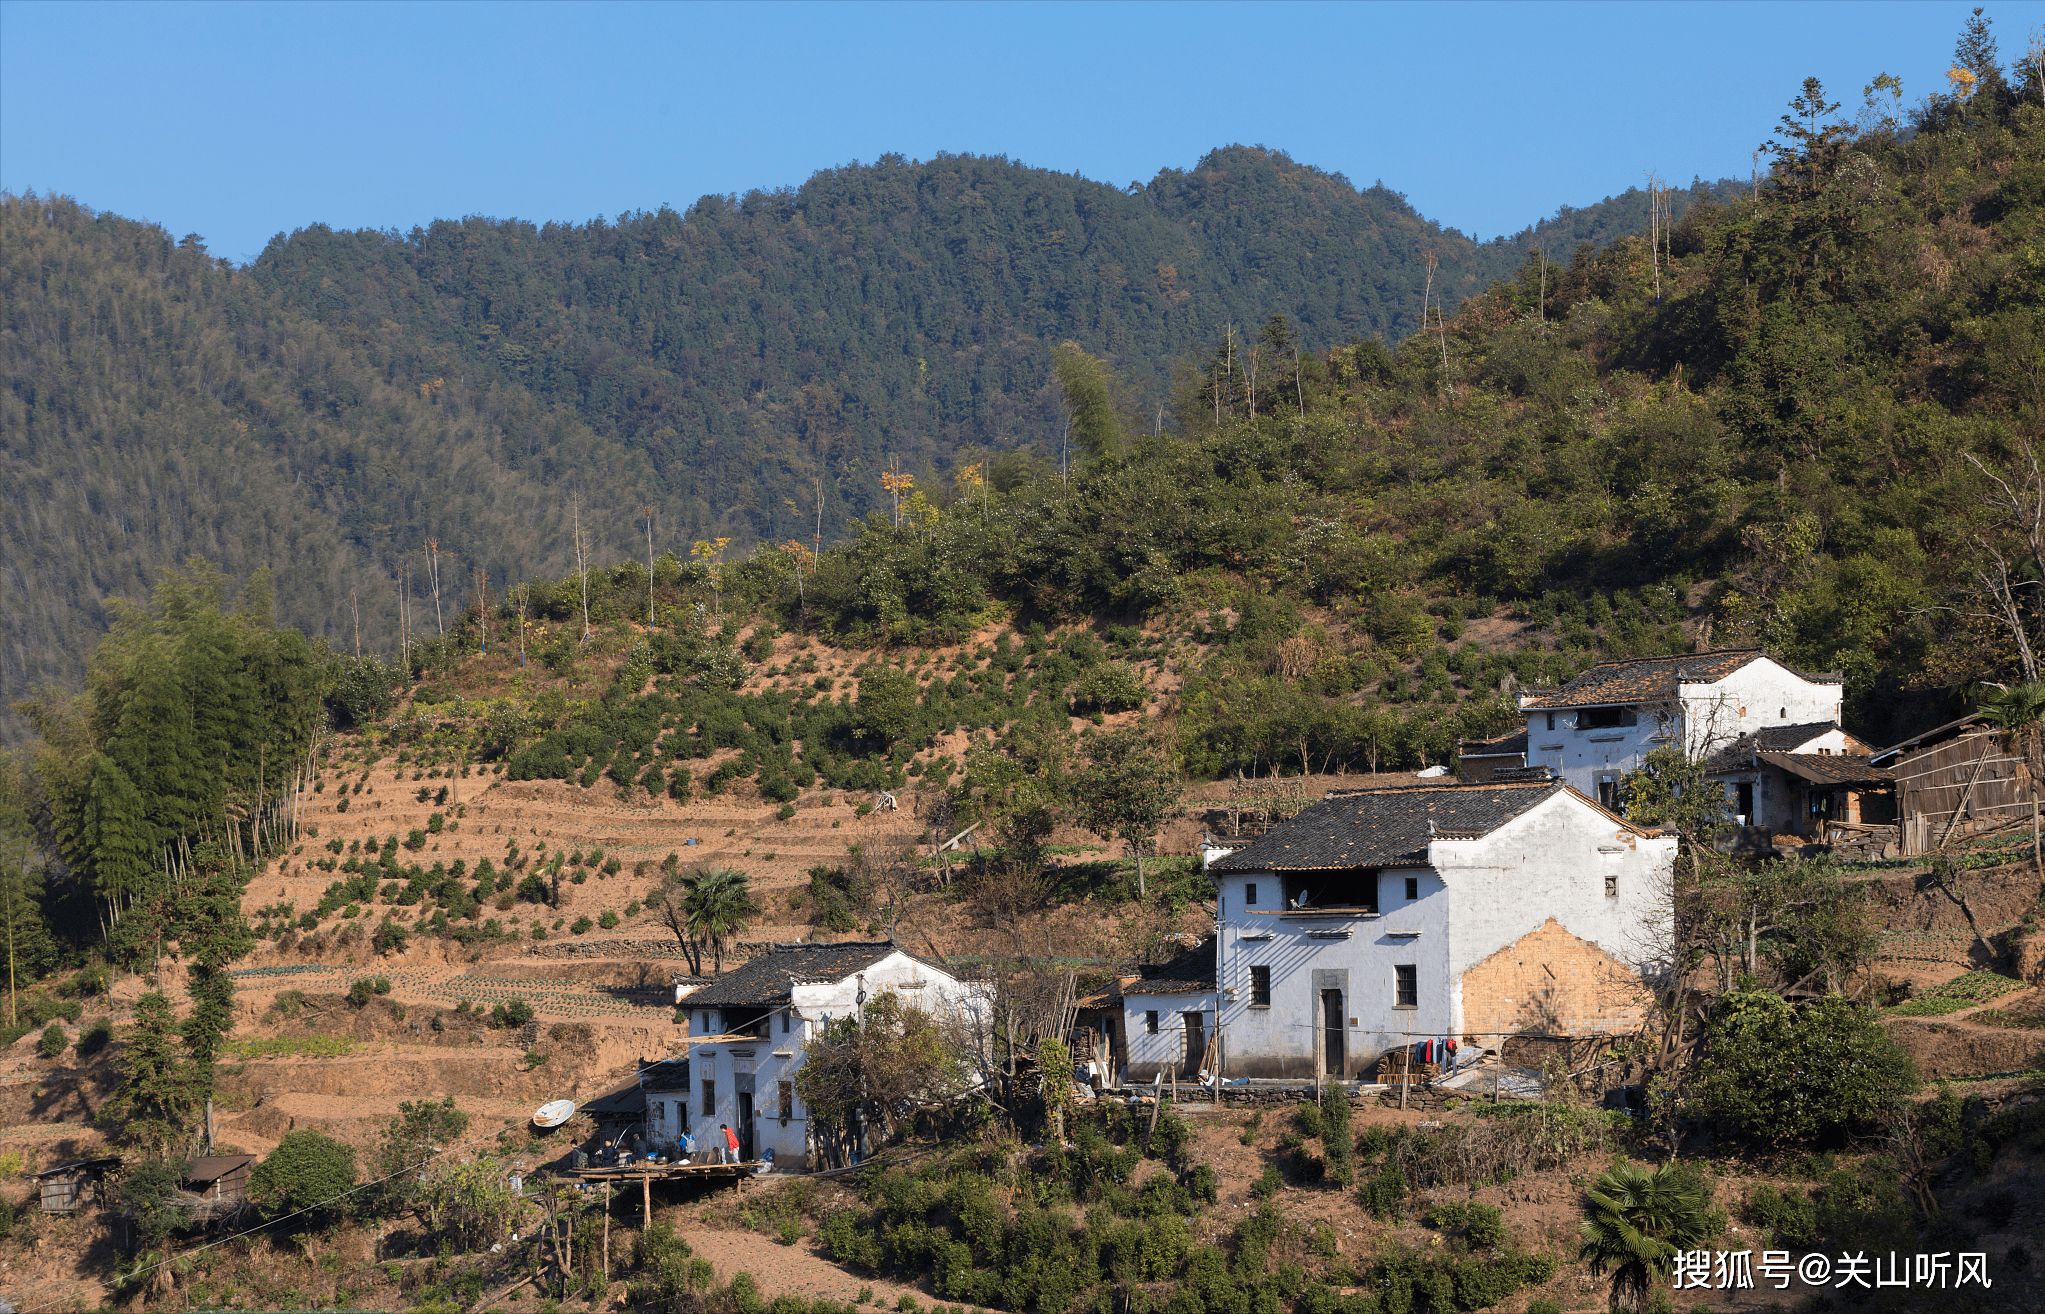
(241, 120)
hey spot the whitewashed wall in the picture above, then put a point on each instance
(780, 1056)
(1477, 897)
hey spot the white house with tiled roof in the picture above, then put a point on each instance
(1599, 726)
(1384, 918)
(765, 1013)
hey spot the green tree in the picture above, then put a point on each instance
(887, 709)
(1636, 1219)
(1126, 790)
(1094, 425)
(30, 951)
(861, 1070)
(149, 1193)
(154, 1105)
(705, 909)
(406, 1148)
(308, 1173)
(1786, 1073)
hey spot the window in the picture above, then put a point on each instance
(1150, 1022)
(787, 1101)
(1250, 895)
(1354, 887)
(1260, 987)
(1611, 885)
(1412, 888)
(1406, 986)
(1783, 714)
(784, 1027)
(709, 1098)
(1551, 720)
(1605, 718)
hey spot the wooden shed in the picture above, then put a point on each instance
(66, 1188)
(220, 1178)
(1960, 774)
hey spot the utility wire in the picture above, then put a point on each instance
(109, 1286)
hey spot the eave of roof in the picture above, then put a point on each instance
(1833, 769)
(1393, 827)
(771, 978)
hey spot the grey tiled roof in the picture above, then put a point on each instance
(1191, 972)
(1506, 745)
(768, 978)
(1739, 754)
(1650, 679)
(1382, 827)
(1833, 769)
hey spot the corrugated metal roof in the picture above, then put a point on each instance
(769, 978)
(215, 1166)
(1385, 827)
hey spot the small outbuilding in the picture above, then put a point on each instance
(220, 1178)
(69, 1186)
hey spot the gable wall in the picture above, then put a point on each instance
(1762, 693)
(1550, 982)
(1550, 864)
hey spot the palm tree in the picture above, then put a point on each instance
(1636, 1222)
(718, 904)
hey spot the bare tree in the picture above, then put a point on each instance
(648, 512)
(433, 577)
(581, 561)
(2008, 579)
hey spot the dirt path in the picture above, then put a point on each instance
(798, 1270)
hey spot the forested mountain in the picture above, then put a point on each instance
(161, 404)
(352, 397)
(899, 311)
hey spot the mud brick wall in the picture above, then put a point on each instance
(1550, 982)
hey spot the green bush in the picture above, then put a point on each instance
(95, 1038)
(581, 926)
(608, 921)
(307, 1171)
(54, 1041)
(1782, 1073)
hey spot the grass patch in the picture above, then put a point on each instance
(2002, 1017)
(292, 1047)
(1964, 991)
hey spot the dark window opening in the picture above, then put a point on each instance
(709, 1098)
(1150, 1022)
(787, 1101)
(1551, 720)
(1355, 887)
(1746, 802)
(1250, 895)
(785, 1023)
(747, 1021)
(1612, 885)
(1406, 986)
(1412, 888)
(1604, 718)
(1260, 987)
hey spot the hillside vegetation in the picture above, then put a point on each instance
(484, 386)
(1803, 417)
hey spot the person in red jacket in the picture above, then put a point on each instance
(730, 1143)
